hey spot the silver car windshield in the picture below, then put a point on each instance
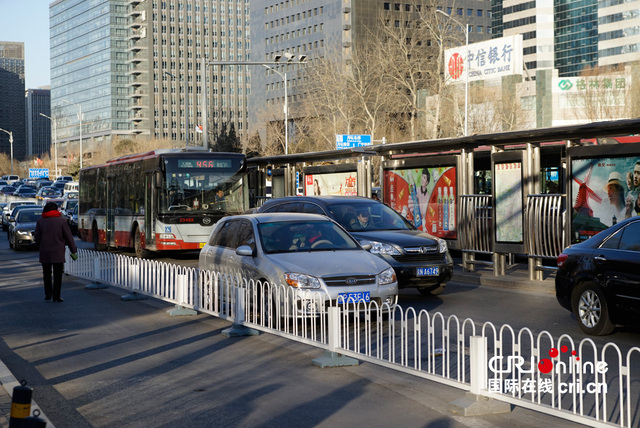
(369, 216)
(296, 236)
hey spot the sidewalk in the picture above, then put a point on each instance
(260, 376)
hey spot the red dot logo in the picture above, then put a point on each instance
(545, 365)
(456, 66)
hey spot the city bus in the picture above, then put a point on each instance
(162, 200)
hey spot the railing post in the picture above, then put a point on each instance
(134, 275)
(331, 358)
(238, 329)
(475, 402)
(97, 275)
(181, 292)
(479, 364)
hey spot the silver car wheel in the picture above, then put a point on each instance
(589, 308)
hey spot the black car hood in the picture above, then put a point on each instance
(403, 238)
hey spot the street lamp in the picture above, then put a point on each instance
(286, 106)
(10, 142)
(80, 119)
(186, 105)
(55, 139)
(298, 59)
(466, 68)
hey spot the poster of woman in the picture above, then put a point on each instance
(426, 196)
(605, 191)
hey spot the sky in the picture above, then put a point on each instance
(27, 21)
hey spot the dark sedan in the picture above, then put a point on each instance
(21, 231)
(599, 279)
(419, 260)
(25, 191)
(7, 190)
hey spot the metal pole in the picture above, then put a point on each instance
(55, 141)
(286, 117)
(80, 119)
(186, 110)
(466, 69)
(10, 133)
(205, 138)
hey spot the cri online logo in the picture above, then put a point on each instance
(546, 365)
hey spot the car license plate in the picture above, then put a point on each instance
(428, 271)
(363, 296)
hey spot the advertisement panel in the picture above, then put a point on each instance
(605, 190)
(424, 196)
(335, 183)
(485, 60)
(508, 205)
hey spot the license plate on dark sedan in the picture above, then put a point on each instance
(363, 296)
(428, 271)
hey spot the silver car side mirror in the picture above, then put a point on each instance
(366, 244)
(244, 250)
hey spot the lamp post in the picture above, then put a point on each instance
(55, 139)
(186, 105)
(299, 59)
(11, 143)
(466, 68)
(80, 119)
(286, 107)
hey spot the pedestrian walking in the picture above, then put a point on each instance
(52, 235)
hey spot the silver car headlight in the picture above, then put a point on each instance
(387, 277)
(442, 246)
(300, 280)
(382, 248)
(22, 232)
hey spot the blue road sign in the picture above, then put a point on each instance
(38, 172)
(348, 141)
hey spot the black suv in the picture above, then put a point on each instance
(420, 260)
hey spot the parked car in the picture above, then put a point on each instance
(8, 208)
(420, 260)
(48, 192)
(21, 233)
(25, 191)
(302, 251)
(599, 279)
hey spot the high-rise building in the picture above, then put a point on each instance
(132, 66)
(12, 98)
(316, 28)
(38, 127)
(582, 34)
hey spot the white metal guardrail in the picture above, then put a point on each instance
(578, 381)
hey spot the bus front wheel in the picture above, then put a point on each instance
(141, 253)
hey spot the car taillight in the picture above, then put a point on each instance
(562, 258)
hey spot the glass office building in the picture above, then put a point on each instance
(12, 98)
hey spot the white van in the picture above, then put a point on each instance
(70, 186)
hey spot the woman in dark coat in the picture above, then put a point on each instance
(53, 234)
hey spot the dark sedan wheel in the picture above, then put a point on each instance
(590, 307)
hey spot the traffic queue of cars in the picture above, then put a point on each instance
(19, 226)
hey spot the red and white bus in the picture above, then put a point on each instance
(160, 200)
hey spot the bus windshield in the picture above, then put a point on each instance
(199, 184)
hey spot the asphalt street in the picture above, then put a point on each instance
(97, 361)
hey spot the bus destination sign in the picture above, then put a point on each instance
(204, 163)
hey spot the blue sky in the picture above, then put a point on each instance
(28, 21)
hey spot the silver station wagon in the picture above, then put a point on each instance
(308, 253)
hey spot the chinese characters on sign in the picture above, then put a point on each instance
(485, 60)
